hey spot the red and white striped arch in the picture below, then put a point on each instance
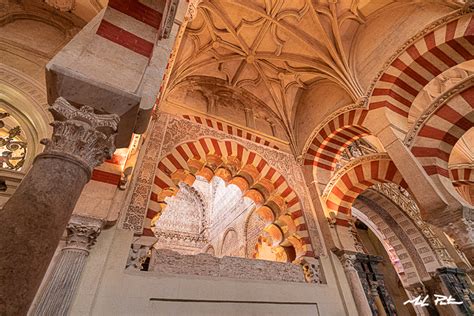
(462, 176)
(445, 47)
(334, 137)
(204, 149)
(434, 142)
(230, 129)
(359, 175)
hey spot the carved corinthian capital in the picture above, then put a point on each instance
(81, 135)
(82, 232)
(348, 261)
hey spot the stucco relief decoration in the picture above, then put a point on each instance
(311, 270)
(142, 182)
(180, 130)
(402, 198)
(168, 18)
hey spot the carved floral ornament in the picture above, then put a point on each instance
(402, 198)
(82, 232)
(80, 134)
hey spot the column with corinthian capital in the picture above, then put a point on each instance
(58, 292)
(358, 292)
(34, 218)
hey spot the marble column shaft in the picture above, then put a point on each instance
(357, 289)
(58, 292)
(35, 216)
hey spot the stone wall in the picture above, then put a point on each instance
(171, 262)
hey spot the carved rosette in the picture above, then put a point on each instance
(81, 135)
(82, 232)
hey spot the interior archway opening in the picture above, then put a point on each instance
(390, 266)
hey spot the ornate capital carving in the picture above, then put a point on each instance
(462, 231)
(348, 261)
(82, 232)
(81, 135)
(311, 270)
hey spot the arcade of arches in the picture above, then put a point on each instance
(212, 157)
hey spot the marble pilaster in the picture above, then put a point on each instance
(58, 293)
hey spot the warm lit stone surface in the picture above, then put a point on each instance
(34, 219)
(171, 262)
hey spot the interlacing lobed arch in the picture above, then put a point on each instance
(275, 201)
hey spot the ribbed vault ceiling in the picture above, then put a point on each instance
(271, 48)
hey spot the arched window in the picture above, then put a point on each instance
(13, 143)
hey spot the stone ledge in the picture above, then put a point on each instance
(171, 262)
